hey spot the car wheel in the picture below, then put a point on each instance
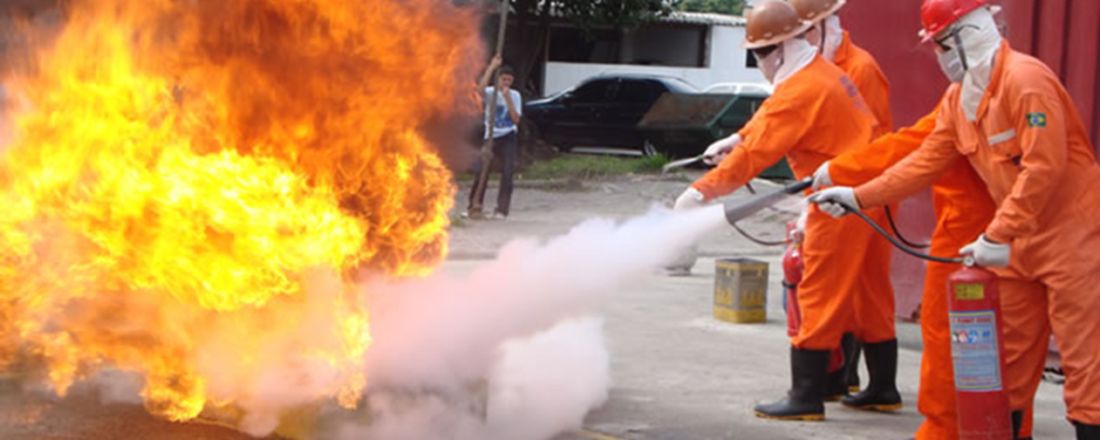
(649, 149)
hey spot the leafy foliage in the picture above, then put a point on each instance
(732, 7)
(589, 13)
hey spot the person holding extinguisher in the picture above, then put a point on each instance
(836, 45)
(1009, 116)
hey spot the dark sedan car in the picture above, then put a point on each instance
(603, 111)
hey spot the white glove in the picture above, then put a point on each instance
(691, 198)
(822, 177)
(987, 253)
(685, 258)
(833, 200)
(718, 150)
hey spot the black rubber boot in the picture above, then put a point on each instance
(852, 348)
(805, 400)
(1087, 432)
(882, 391)
(840, 381)
(837, 387)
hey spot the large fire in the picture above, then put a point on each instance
(192, 184)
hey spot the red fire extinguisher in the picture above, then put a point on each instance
(792, 275)
(977, 353)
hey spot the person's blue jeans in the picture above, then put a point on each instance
(505, 152)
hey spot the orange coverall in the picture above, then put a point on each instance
(963, 210)
(864, 71)
(812, 117)
(1030, 148)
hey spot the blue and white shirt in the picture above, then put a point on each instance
(502, 122)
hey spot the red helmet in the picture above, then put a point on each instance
(937, 15)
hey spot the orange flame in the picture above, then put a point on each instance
(192, 182)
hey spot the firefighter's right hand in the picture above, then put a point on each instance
(822, 178)
(836, 201)
(988, 253)
(718, 150)
(691, 198)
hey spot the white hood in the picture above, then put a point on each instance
(980, 42)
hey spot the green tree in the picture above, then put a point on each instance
(733, 7)
(534, 17)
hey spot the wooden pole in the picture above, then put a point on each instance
(482, 181)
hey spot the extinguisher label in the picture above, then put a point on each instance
(975, 350)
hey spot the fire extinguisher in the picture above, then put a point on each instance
(977, 353)
(792, 275)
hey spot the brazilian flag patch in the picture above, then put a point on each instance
(1037, 119)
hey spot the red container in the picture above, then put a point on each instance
(977, 352)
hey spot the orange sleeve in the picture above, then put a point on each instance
(867, 162)
(773, 131)
(1041, 125)
(916, 171)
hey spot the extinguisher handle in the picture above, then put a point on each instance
(969, 261)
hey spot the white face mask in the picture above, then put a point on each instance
(951, 64)
(769, 65)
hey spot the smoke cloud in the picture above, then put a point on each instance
(513, 322)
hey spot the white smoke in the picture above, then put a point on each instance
(538, 387)
(547, 384)
(443, 333)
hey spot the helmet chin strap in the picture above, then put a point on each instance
(959, 47)
(824, 34)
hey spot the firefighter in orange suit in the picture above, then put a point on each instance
(835, 44)
(1011, 119)
(814, 115)
(963, 209)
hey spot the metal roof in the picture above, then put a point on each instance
(705, 18)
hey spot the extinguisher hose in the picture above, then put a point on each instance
(897, 233)
(896, 239)
(898, 244)
(756, 240)
(750, 237)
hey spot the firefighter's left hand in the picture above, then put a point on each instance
(717, 151)
(988, 253)
(691, 198)
(836, 201)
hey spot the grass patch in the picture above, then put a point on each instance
(584, 167)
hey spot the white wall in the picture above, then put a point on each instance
(727, 64)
